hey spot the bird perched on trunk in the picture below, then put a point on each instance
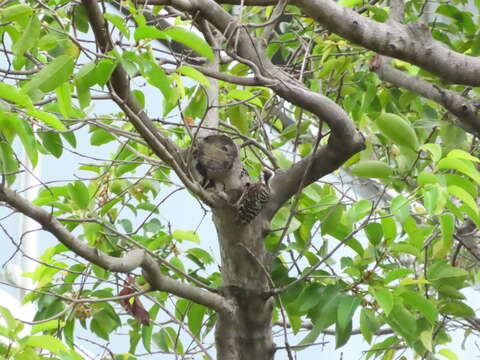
(254, 199)
(216, 155)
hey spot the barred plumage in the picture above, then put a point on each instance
(253, 200)
(244, 172)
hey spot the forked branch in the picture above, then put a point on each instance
(132, 260)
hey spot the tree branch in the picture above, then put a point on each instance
(325, 161)
(132, 260)
(411, 42)
(250, 51)
(344, 140)
(211, 117)
(119, 86)
(463, 109)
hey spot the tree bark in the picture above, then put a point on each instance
(246, 332)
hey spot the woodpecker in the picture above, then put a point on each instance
(253, 199)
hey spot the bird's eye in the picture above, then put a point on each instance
(224, 148)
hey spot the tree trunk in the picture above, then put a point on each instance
(246, 332)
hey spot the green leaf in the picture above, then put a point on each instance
(280, 220)
(460, 154)
(384, 298)
(83, 93)
(87, 75)
(379, 14)
(101, 137)
(396, 274)
(148, 329)
(48, 118)
(457, 308)
(449, 10)
(8, 317)
(11, 94)
(450, 292)
(79, 194)
(374, 232)
(140, 96)
(346, 309)
(52, 75)
(461, 181)
(148, 32)
(64, 99)
(462, 18)
(27, 353)
(372, 169)
(434, 149)
(166, 339)
(380, 347)
(464, 196)
(464, 166)
(46, 326)
(244, 95)
(156, 77)
(119, 22)
(389, 228)
(200, 256)
(368, 324)
(355, 245)
(191, 40)
(29, 36)
(447, 225)
(326, 315)
(52, 142)
(183, 235)
(15, 12)
(342, 334)
(7, 128)
(46, 342)
(198, 104)
(195, 319)
(349, 3)
(441, 271)
(308, 299)
(400, 207)
(25, 133)
(447, 353)
(360, 209)
(81, 18)
(405, 248)
(103, 70)
(434, 198)
(105, 320)
(426, 339)
(425, 178)
(8, 162)
(414, 299)
(194, 74)
(71, 139)
(397, 129)
(403, 322)
(239, 118)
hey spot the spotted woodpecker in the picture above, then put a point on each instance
(253, 199)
